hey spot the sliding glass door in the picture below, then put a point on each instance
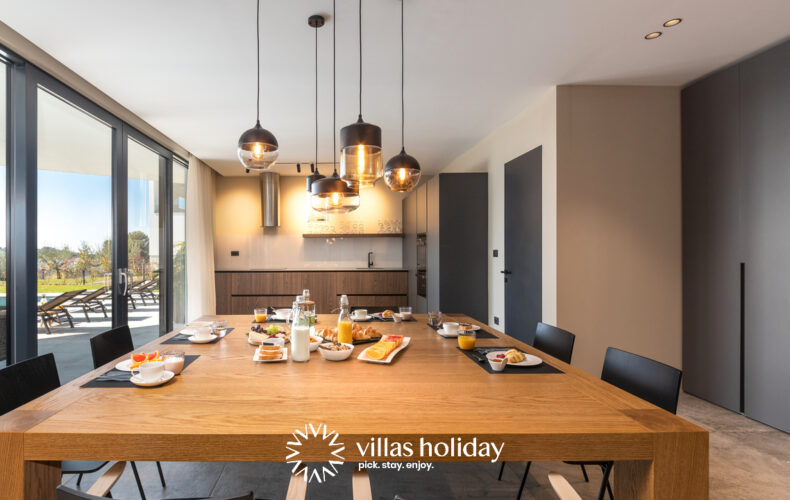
(3, 216)
(179, 219)
(74, 234)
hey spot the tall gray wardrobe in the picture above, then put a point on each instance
(736, 237)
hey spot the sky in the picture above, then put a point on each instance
(73, 208)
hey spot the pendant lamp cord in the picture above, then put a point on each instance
(402, 84)
(360, 58)
(258, 47)
(334, 89)
(316, 99)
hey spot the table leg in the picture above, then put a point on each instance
(25, 480)
(679, 470)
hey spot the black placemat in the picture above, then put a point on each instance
(270, 320)
(182, 338)
(188, 359)
(541, 368)
(481, 334)
(390, 320)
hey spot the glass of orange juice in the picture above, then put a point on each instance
(466, 339)
(260, 315)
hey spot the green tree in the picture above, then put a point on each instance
(104, 256)
(139, 253)
(84, 260)
(55, 259)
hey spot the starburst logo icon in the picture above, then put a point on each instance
(330, 440)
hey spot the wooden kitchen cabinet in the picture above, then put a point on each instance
(239, 292)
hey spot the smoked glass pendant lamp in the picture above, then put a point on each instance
(402, 172)
(258, 148)
(333, 195)
(360, 143)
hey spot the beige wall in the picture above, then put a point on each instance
(238, 227)
(532, 127)
(619, 221)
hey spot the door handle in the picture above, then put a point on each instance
(506, 272)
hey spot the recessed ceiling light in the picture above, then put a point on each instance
(672, 22)
(653, 35)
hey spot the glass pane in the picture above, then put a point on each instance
(74, 232)
(144, 229)
(179, 244)
(3, 194)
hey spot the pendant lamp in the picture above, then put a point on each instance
(360, 142)
(332, 194)
(258, 148)
(402, 172)
(316, 22)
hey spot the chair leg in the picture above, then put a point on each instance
(501, 470)
(85, 310)
(161, 475)
(79, 479)
(103, 309)
(605, 481)
(137, 478)
(584, 471)
(68, 317)
(523, 480)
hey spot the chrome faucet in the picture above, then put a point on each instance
(370, 259)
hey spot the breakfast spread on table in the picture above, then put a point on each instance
(258, 334)
(357, 333)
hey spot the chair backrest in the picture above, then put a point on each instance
(554, 342)
(66, 493)
(110, 345)
(650, 380)
(23, 382)
(94, 294)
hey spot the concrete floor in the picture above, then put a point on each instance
(748, 460)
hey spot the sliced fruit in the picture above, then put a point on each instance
(376, 352)
(138, 358)
(153, 355)
(397, 339)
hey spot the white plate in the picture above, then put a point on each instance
(255, 342)
(284, 358)
(474, 327)
(166, 376)
(196, 340)
(366, 318)
(446, 335)
(530, 360)
(363, 355)
(124, 366)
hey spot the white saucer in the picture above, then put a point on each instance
(166, 376)
(446, 335)
(202, 341)
(366, 318)
(124, 366)
(529, 360)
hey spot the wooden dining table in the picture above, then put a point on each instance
(227, 407)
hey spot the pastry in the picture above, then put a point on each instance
(515, 356)
(387, 314)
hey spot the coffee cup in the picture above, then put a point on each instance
(149, 372)
(202, 333)
(360, 313)
(450, 327)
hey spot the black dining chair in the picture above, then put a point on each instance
(27, 380)
(554, 342)
(106, 347)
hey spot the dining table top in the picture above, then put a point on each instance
(430, 389)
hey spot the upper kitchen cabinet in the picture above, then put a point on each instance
(456, 249)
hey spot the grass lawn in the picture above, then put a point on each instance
(49, 287)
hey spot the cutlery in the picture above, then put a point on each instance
(113, 378)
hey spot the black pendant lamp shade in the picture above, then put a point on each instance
(402, 172)
(258, 148)
(332, 194)
(360, 143)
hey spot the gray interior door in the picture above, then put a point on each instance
(765, 134)
(712, 239)
(523, 272)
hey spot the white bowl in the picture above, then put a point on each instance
(314, 345)
(336, 355)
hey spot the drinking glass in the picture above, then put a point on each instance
(434, 319)
(466, 339)
(174, 361)
(260, 315)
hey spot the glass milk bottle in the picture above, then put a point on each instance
(344, 327)
(300, 334)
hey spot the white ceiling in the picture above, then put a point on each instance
(187, 66)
